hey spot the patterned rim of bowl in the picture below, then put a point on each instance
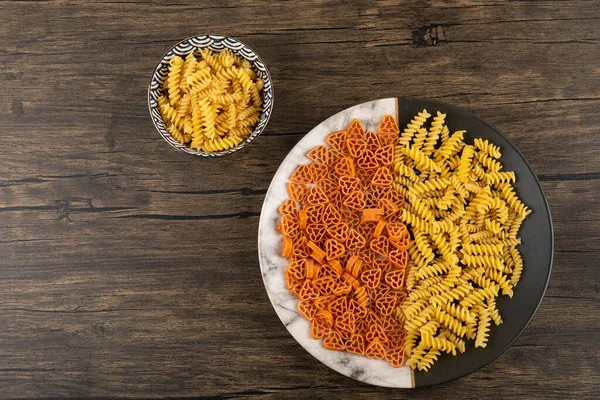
(215, 43)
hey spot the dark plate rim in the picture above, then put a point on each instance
(547, 209)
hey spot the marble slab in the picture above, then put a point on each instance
(273, 265)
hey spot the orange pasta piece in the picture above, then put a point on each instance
(337, 140)
(318, 172)
(366, 229)
(324, 285)
(388, 139)
(355, 241)
(316, 196)
(308, 291)
(356, 344)
(301, 174)
(350, 217)
(289, 226)
(314, 213)
(345, 166)
(316, 232)
(371, 200)
(326, 316)
(355, 201)
(342, 287)
(371, 278)
(302, 219)
(367, 160)
(389, 207)
(291, 281)
(297, 268)
(328, 270)
(396, 198)
(386, 304)
(376, 332)
(319, 328)
(288, 246)
(356, 268)
(402, 244)
(319, 154)
(355, 130)
(338, 306)
(382, 264)
(316, 249)
(351, 261)
(321, 302)
(339, 231)
(395, 279)
(301, 249)
(381, 246)
(334, 341)
(388, 125)
(337, 267)
(395, 356)
(307, 309)
(288, 207)
(356, 146)
(385, 155)
(372, 140)
(350, 279)
(398, 258)
(375, 350)
(331, 215)
(383, 177)
(334, 249)
(297, 190)
(379, 228)
(346, 322)
(396, 231)
(372, 214)
(365, 177)
(348, 184)
(329, 187)
(310, 268)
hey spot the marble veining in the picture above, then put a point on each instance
(272, 264)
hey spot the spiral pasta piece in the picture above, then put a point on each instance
(434, 133)
(422, 162)
(177, 135)
(483, 328)
(494, 178)
(488, 148)
(190, 64)
(219, 144)
(174, 80)
(464, 166)
(412, 128)
(450, 148)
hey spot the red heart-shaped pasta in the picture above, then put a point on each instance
(337, 140)
(319, 154)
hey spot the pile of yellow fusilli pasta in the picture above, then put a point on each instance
(465, 216)
(212, 102)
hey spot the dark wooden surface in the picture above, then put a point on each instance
(129, 269)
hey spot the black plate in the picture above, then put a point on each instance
(537, 246)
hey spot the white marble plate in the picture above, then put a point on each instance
(273, 265)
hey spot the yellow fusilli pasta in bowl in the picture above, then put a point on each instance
(210, 96)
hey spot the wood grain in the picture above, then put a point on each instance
(130, 269)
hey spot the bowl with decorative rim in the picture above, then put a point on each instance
(215, 43)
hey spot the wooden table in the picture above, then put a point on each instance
(130, 269)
